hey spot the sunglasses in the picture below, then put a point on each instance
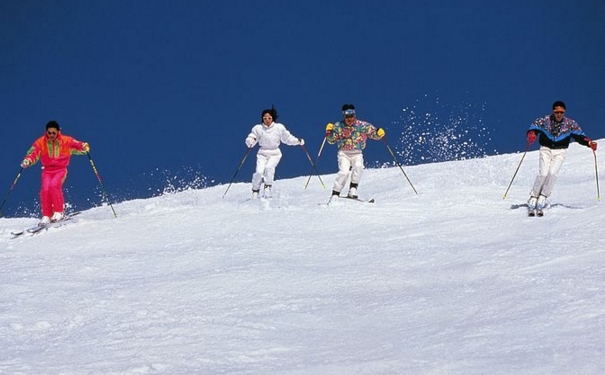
(559, 112)
(51, 133)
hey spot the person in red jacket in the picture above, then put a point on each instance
(53, 149)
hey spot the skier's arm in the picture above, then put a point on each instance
(31, 157)
(252, 138)
(79, 148)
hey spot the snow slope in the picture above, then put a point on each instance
(454, 280)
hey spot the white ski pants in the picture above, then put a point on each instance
(550, 163)
(348, 162)
(266, 162)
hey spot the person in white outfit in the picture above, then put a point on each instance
(269, 135)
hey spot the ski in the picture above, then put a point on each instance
(360, 200)
(541, 212)
(37, 228)
(536, 211)
(40, 227)
(29, 230)
(53, 224)
(17, 233)
(350, 198)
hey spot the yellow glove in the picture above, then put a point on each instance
(25, 163)
(380, 132)
(85, 147)
(329, 127)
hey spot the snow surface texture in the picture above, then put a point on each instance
(454, 280)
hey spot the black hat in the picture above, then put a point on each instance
(347, 106)
(558, 103)
(348, 110)
(53, 124)
(272, 112)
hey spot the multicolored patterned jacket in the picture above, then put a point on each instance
(353, 137)
(54, 154)
(557, 135)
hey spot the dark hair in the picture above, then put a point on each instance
(558, 103)
(347, 106)
(272, 112)
(53, 124)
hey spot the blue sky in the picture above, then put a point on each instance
(163, 89)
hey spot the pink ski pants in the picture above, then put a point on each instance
(51, 193)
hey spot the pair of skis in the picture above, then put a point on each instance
(531, 211)
(42, 227)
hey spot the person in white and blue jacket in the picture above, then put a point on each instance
(554, 132)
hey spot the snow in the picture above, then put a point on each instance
(454, 280)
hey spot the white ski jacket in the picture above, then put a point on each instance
(270, 137)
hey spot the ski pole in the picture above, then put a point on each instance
(316, 160)
(237, 170)
(399, 164)
(517, 170)
(596, 172)
(313, 165)
(10, 190)
(94, 168)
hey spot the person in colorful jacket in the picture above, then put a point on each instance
(554, 132)
(350, 137)
(53, 149)
(269, 135)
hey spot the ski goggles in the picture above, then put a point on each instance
(349, 113)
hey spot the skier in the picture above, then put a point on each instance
(54, 150)
(350, 137)
(269, 135)
(554, 132)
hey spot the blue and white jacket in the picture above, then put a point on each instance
(557, 135)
